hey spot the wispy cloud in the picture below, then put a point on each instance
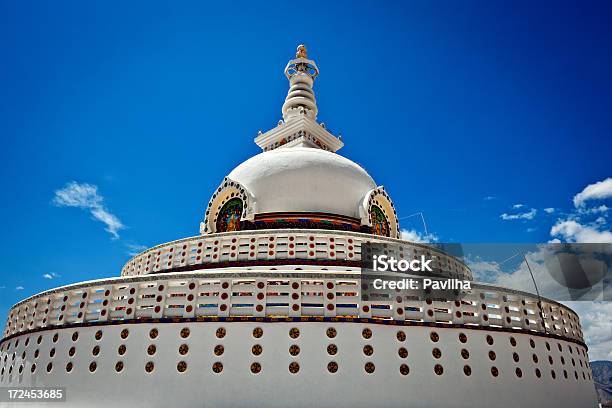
(549, 210)
(596, 191)
(489, 198)
(135, 249)
(529, 215)
(595, 210)
(51, 275)
(517, 206)
(86, 197)
(416, 236)
(19, 288)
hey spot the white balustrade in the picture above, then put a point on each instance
(279, 293)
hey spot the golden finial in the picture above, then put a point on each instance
(301, 52)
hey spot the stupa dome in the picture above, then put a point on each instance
(304, 179)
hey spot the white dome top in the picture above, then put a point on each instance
(304, 179)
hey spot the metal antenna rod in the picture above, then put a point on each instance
(509, 258)
(422, 218)
(538, 293)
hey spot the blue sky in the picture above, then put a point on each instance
(461, 110)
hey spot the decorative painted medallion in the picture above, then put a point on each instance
(380, 226)
(229, 216)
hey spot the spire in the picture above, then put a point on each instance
(301, 73)
(299, 126)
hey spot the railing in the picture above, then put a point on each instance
(279, 293)
(285, 245)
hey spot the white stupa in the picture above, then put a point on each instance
(263, 308)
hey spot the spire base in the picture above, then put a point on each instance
(302, 130)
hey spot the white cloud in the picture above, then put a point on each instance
(85, 196)
(595, 210)
(519, 278)
(596, 191)
(549, 210)
(529, 215)
(19, 288)
(573, 231)
(543, 261)
(484, 271)
(489, 198)
(51, 275)
(517, 206)
(135, 249)
(416, 236)
(574, 228)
